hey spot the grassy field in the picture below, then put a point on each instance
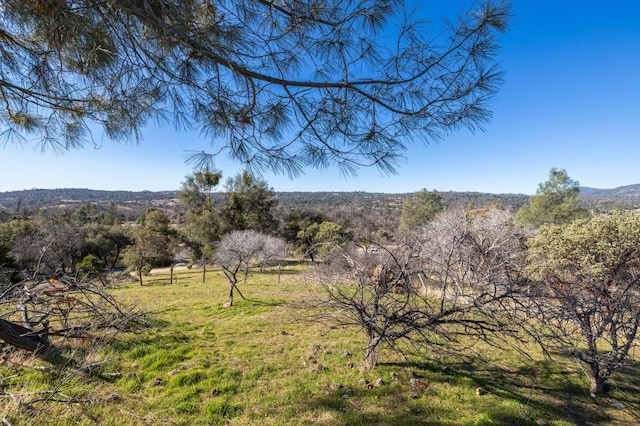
(264, 362)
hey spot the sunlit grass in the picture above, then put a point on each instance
(264, 362)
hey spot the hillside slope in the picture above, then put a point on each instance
(18, 201)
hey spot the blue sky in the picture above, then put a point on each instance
(571, 100)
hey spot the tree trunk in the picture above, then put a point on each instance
(596, 382)
(371, 353)
(115, 259)
(204, 271)
(21, 337)
(140, 264)
(171, 274)
(231, 287)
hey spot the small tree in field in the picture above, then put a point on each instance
(151, 243)
(588, 296)
(238, 250)
(452, 281)
(373, 293)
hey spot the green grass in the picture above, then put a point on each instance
(264, 362)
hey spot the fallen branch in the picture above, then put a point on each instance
(21, 337)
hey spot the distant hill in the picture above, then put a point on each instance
(621, 191)
(623, 197)
(37, 198)
(31, 199)
(137, 201)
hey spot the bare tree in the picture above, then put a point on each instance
(472, 254)
(375, 294)
(457, 279)
(147, 247)
(238, 250)
(277, 84)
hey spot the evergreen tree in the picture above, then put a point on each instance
(110, 215)
(281, 85)
(203, 227)
(418, 209)
(556, 202)
(249, 205)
